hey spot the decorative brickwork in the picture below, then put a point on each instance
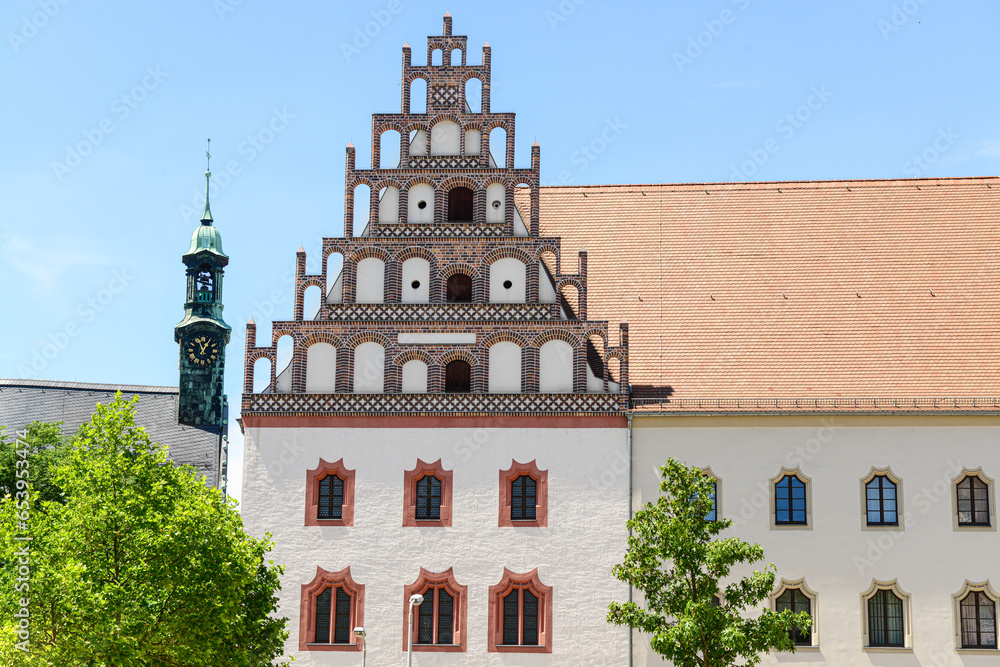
(500, 251)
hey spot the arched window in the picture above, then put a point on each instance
(880, 502)
(428, 499)
(973, 501)
(459, 289)
(790, 501)
(795, 601)
(456, 57)
(389, 145)
(474, 96)
(332, 605)
(458, 377)
(522, 497)
(331, 498)
(418, 96)
(441, 618)
(460, 201)
(885, 619)
(204, 282)
(285, 349)
(979, 620)
(520, 614)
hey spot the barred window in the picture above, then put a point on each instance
(331, 498)
(795, 601)
(790, 501)
(333, 618)
(880, 502)
(885, 619)
(973, 502)
(522, 495)
(979, 624)
(428, 499)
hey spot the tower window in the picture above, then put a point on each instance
(458, 377)
(459, 289)
(204, 285)
(460, 204)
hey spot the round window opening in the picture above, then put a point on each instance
(507, 284)
(422, 205)
(415, 284)
(496, 204)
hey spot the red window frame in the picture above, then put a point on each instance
(307, 608)
(541, 478)
(313, 478)
(410, 479)
(527, 581)
(439, 581)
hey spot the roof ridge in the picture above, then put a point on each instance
(867, 182)
(87, 386)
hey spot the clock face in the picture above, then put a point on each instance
(202, 350)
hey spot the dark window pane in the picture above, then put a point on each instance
(978, 619)
(425, 618)
(460, 204)
(458, 377)
(530, 619)
(794, 600)
(446, 616)
(522, 506)
(459, 289)
(790, 500)
(323, 617)
(428, 498)
(510, 618)
(885, 619)
(713, 515)
(881, 493)
(342, 625)
(973, 502)
(331, 498)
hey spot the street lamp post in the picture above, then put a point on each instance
(415, 601)
(360, 634)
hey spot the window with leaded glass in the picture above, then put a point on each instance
(333, 616)
(428, 498)
(880, 502)
(522, 498)
(979, 621)
(331, 498)
(795, 601)
(520, 618)
(885, 619)
(436, 618)
(973, 501)
(790, 501)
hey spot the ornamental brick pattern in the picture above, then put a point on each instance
(449, 246)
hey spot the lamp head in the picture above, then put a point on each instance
(417, 599)
(359, 632)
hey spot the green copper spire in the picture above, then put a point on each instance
(206, 217)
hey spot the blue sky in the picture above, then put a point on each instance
(107, 107)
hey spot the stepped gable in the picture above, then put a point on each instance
(424, 310)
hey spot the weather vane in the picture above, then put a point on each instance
(208, 154)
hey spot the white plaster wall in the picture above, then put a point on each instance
(505, 368)
(472, 140)
(418, 145)
(388, 205)
(336, 292)
(415, 377)
(369, 369)
(495, 195)
(419, 269)
(840, 555)
(370, 281)
(510, 269)
(446, 138)
(321, 368)
(555, 367)
(574, 553)
(420, 193)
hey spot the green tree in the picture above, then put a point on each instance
(675, 559)
(45, 445)
(142, 565)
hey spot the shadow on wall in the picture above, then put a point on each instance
(651, 391)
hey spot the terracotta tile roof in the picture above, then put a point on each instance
(795, 290)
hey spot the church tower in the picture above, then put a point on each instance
(449, 423)
(203, 334)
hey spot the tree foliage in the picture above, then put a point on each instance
(46, 446)
(675, 558)
(142, 565)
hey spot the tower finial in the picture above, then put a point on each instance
(206, 217)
